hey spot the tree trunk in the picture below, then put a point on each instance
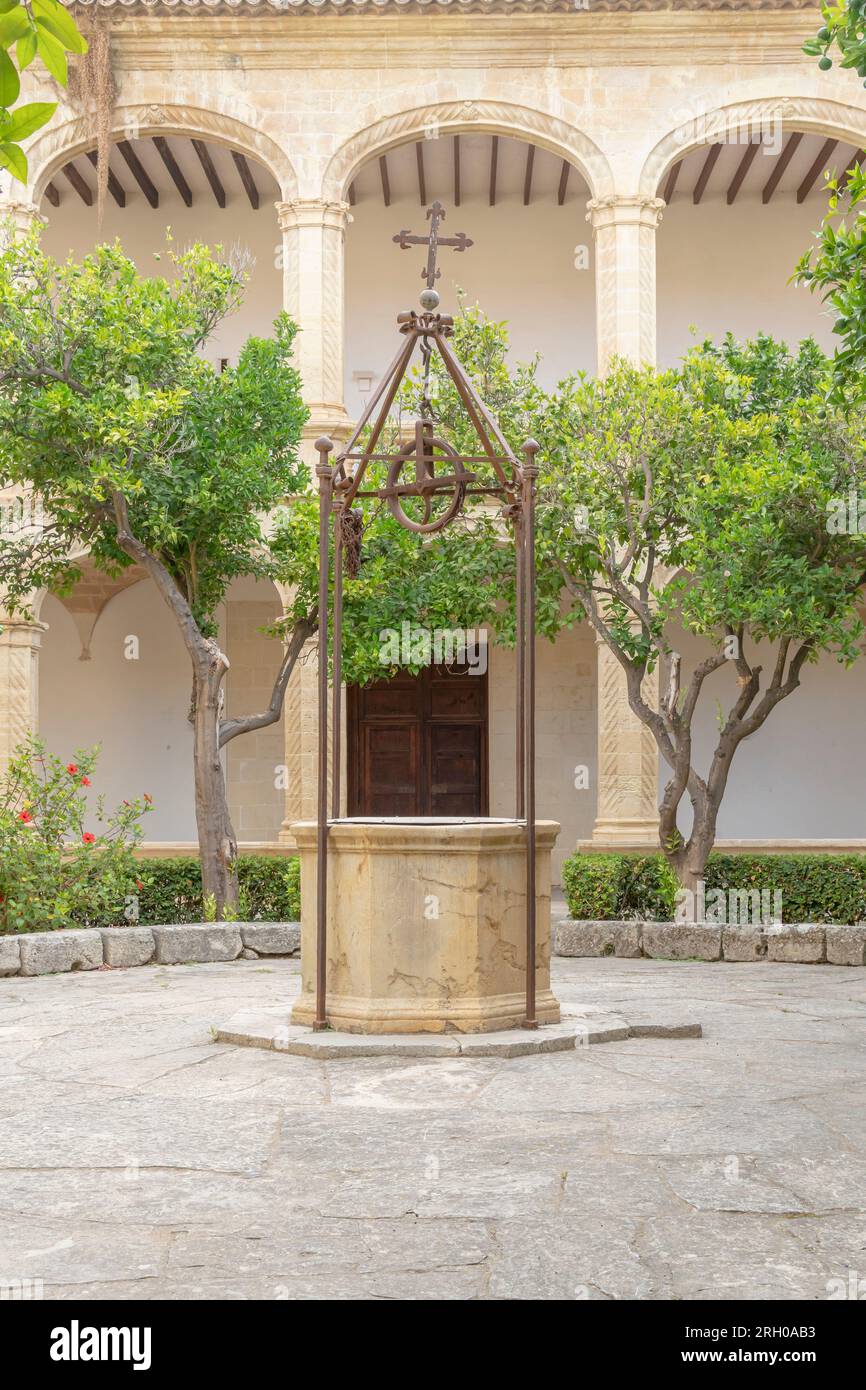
(218, 848)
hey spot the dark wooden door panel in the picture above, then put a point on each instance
(391, 767)
(417, 745)
(455, 769)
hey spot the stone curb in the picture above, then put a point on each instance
(191, 943)
(268, 1029)
(807, 943)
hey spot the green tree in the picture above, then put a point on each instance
(834, 269)
(843, 28)
(139, 452)
(708, 499)
(30, 30)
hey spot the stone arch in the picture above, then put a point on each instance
(453, 117)
(812, 115)
(63, 141)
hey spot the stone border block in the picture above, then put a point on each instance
(681, 941)
(127, 946)
(597, 939)
(846, 945)
(197, 942)
(271, 938)
(52, 952)
(799, 945)
(744, 943)
(10, 955)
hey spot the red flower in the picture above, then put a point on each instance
(85, 782)
(148, 798)
(139, 885)
(26, 817)
(72, 768)
(88, 838)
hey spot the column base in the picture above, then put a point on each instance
(640, 832)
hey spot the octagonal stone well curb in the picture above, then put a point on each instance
(808, 943)
(190, 943)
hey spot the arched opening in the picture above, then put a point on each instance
(202, 190)
(531, 261)
(741, 210)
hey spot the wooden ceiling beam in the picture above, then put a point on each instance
(166, 154)
(563, 182)
(782, 162)
(352, 195)
(52, 195)
(457, 171)
(706, 171)
(671, 181)
(527, 178)
(115, 188)
(494, 161)
(80, 185)
(815, 169)
(247, 179)
(422, 182)
(743, 168)
(210, 173)
(139, 173)
(386, 182)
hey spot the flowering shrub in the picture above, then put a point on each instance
(53, 872)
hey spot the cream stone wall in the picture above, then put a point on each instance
(620, 91)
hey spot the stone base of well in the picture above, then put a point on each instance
(426, 925)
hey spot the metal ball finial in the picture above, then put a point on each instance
(429, 300)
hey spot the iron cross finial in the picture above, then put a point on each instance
(460, 242)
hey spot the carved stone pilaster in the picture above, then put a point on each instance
(19, 682)
(627, 810)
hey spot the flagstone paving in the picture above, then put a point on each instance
(139, 1159)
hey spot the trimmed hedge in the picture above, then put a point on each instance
(815, 887)
(270, 891)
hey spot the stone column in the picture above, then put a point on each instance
(21, 213)
(19, 682)
(625, 231)
(314, 234)
(625, 276)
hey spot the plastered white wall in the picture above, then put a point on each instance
(802, 776)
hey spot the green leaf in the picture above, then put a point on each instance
(7, 5)
(13, 158)
(51, 52)
(10, 82)
(26, 119)
(13, 25)
(26, 49)
(60, 23)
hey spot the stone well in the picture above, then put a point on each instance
(426, 925)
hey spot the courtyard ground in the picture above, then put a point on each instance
(140, 1160)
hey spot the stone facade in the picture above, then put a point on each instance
(621, 90)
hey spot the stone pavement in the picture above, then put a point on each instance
(141, 1160)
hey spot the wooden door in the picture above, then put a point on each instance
(418, 745)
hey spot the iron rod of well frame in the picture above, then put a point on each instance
(337, 661)
(530, 473)
(519, 661)
(324, 472)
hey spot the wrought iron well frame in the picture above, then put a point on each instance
(338, 486)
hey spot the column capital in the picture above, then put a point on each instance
(22, 212)
(625, 210)
(313, 212)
